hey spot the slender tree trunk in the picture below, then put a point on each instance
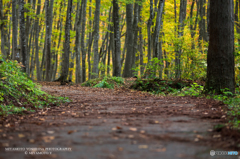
(83, 41)
(135, 36)
(192, 29)
(96, 37)
(157, 30)
(65, 63)
(141, 41)
(90, 43)
(117, 40)
(202, 23)
(2, 30)
(127, 72)
(77, 44)
(220, 57)
(23, 38)
(49, 11)
(182, 16)
(15, 52)
(149, 24)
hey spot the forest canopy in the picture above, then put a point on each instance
(84, 39)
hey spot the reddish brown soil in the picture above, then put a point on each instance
(98, 120)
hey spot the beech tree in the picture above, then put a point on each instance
(49, 10)
(23, 38)
(65, 63)
(117, 42)
(127, 72)
(220, 57)
(96, 38)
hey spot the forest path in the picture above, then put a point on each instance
(118, 124)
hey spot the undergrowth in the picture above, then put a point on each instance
(106, 82)
(18, 93)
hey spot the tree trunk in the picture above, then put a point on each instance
(2, 31)
(117, 40)
(149, 24)
(90, 43)
(96, 38)
(182, 16)
(65, 63)
(202, 23)
(49, 10)
(77, 43)
(135, 36)
(220, 57)
(157, 30)
(23, 37)
(84, 7)
(127, 72)
(15, 52)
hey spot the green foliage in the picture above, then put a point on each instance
(154, 65)
(193, 90)
(158, 86)
(19, 93)
(106, 82)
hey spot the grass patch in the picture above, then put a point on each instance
(106, 82)
(18, 93)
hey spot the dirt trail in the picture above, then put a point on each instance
(117, 124)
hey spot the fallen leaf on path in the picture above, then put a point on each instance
(71, 131)
(196, 139)
(159, 150)
(142, 131)
(217, 136)
(48, 139)
(130, 136)
(31, 140)
(199, 136)
(50, 132)
(120, 149)
(143, 146)
(21, 135)
(133, 129)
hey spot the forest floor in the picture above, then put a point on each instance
(120, 123)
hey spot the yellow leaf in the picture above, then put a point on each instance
(4, 78)
(21, 135)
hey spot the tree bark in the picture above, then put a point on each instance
(48, 36)
(65, 63)
(23, 37)
(77, 43)
(15, 52)
(2, 30)
(90, 43)
(127, 72)
(149, 24)
(96, 38)
(117, 40)
(83, 41)
(158, 26)
(135, 36)
(202, 23)
(182, 16)
(220, 57)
